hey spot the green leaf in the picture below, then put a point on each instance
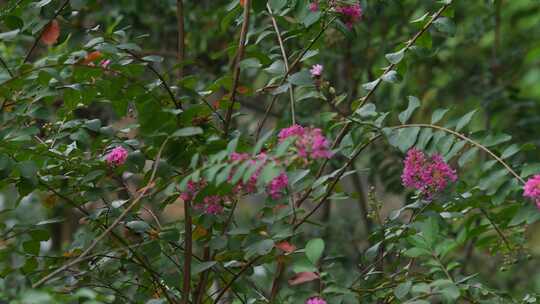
(414, 103)
(314, 250)
(463, 121)
(138, 226)
(199, 267)
(467, 156)
(391, 77)
(396, 57)
(7, 36)
(28, 169)
(259, 248)
(438, 115)
(31, 247)
(188, 131)
(152, 58)
(302, 78)
(530, 169)
(277, 68)
(510, 151)
(260, 143)
(311, 18)
(372, 252)
(416, 252)
(445, 25)
(407, 137)
(402, 290)
(269, 172)
(253, 63)
(277, 5)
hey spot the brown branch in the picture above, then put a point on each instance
(236, 66)
(277, 278)
(188, 250)
(181, 37)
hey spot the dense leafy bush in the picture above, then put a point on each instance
(284, 152)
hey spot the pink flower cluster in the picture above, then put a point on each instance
(277, 186)
(251, 185)
(351, 13)
(212, 204)
(532, 189)
(430, 175)
(117, 156)
(310, 143)
(315, 300)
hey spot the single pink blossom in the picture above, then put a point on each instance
(117, 156)
(278, 185)
(430, 175)
(351, 14)
(532, 189)
(314, 6)
(315, 300)
(316, 70)
(105, 63)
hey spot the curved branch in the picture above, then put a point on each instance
(467, 139)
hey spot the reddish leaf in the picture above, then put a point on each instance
(303, 277)
(93, 56)
(242, 90)
(242, 2)
(286, 246)
(51, 33)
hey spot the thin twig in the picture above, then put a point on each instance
(236, 66)
(4, 64)
(499, 232)
(244, 269)
(336, 180)
(160, 77)
(285, 59)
